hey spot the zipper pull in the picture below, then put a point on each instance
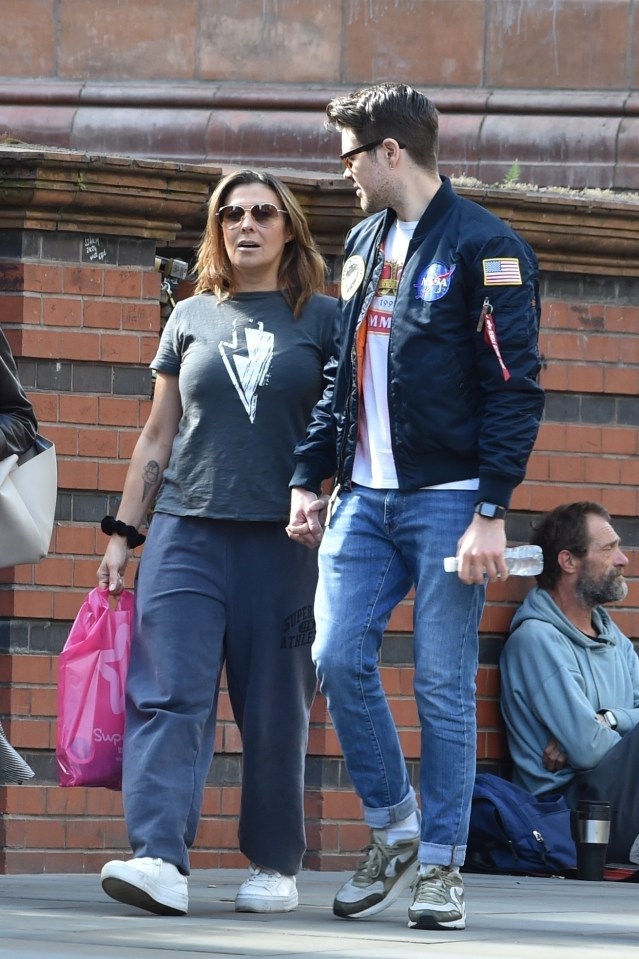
(543, 849)
(486, 310)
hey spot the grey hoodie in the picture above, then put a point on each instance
(554, 680)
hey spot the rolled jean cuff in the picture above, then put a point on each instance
(385, 816)
(432, 854)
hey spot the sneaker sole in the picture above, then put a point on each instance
(404, 881)
(429, 921)
(132, 895)
(256, 904)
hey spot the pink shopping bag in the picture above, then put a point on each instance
(92, 677)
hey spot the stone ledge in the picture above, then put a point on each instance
(571, 231)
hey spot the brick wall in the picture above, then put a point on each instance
(82, 313)
(551, 84)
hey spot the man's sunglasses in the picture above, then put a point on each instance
(264, 214)
(365, 148)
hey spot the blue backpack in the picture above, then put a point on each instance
(513, 831)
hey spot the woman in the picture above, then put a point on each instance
(18, 428)
(239, 368)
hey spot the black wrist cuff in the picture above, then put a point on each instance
(109, 525)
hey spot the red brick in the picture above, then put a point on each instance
(148, 349)
(65, 439)
(66, 604)
(24, 800)
(79, 408)
(65, 801)
(111, 476)
(352, 836)
(585, 378)
(83, 280)
(62, 311)
(119, 348)
(231, 799)
(488, 714)
(42, 278)
(404, 712)
(74, 539)
(123, 283)
(411, 743)
(620, 440)
(151, 285)
(46, 407)
(144, 317)
(401, 620)
(27, 733)
(44, 702)
(341, 805)
(488, 681)
(55, 572)
(217, 833)
(126, 443)
(77, 474)
(45, 833)
(105, 314)
(36, 604)
(85, 573)
(20, 308)
(118, 411)
(100, 443)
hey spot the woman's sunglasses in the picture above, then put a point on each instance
(264, 214)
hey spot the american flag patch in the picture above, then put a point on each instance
(504, 272)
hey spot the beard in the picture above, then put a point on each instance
(605, 589)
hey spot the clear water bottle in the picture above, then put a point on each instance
(520, 560)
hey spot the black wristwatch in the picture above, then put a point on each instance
(610, 718)
(491, 510)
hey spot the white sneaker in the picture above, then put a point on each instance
(150, 884)
(266, 890)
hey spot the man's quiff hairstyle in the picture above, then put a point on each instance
(390, 110)
(566, 527)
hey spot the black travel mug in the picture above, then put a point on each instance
(590, 826)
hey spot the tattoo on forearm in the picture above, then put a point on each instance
(150, 477)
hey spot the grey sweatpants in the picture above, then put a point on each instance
(209, 593)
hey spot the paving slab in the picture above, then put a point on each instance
(69, 917)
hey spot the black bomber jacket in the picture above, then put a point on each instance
(463, 359)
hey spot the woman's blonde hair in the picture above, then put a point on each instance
(302, 268)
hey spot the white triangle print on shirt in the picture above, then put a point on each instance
(248, 366)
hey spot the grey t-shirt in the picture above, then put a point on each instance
(249, 376)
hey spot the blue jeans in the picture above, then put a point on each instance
(378, 545)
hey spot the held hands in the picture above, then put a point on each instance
(308, 516)
(480, 551)
(113, 565)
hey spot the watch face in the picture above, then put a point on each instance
(490, 510)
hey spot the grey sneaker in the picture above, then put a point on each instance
(380, 879)
(438, 900)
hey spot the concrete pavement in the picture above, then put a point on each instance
(55, 916)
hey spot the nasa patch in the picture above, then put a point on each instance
(434, 282)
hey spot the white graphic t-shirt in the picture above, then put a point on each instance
(374, 463)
